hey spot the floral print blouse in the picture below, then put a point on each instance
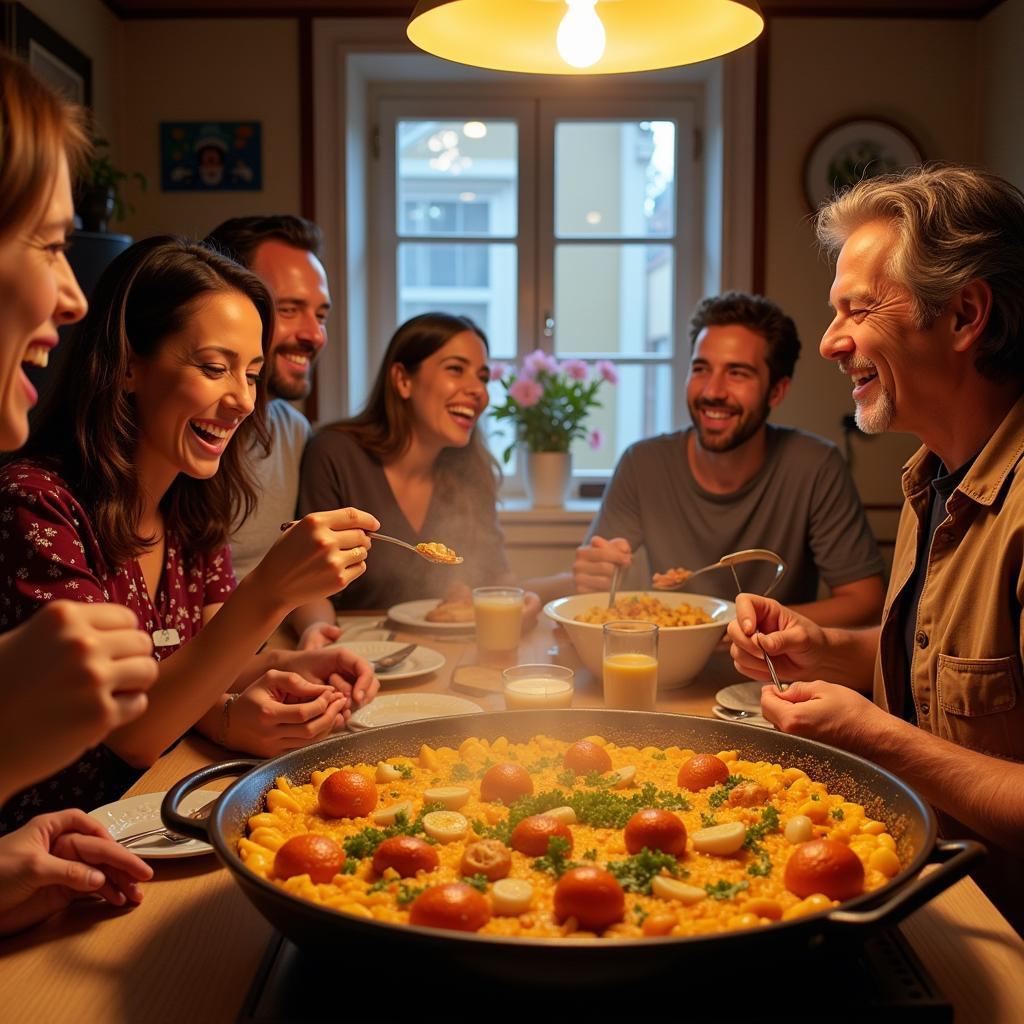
(48, 551)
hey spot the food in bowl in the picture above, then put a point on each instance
(645, 608)
(509, 839)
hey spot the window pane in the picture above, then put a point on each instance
(615, 178)
(457, 177)
(499, 433)
(614, 298)
(474, 279)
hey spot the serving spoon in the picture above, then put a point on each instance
(729, 562)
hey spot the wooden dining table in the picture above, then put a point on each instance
(189, 952)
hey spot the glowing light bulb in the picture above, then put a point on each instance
(580, 38)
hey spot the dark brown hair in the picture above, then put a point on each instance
(758, 314)
(384, 426)
(240, 237)
(88, 426)
(37, 128)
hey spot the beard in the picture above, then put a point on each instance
(748, 424)
(290, 390)
(876, 417)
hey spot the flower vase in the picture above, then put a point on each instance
(548, 475)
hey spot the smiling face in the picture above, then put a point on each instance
(892, 363)
(38, 294)
(302, 302)
(448, 392)
(727, 389)
(191, 396)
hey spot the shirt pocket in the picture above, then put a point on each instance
(978, 706)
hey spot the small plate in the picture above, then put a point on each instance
(741, 696)
(413, 613)
(418, 663)
(141, 813)
(759, 720)
(392, 708)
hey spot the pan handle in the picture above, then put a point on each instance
(196, 828)
(954, 857)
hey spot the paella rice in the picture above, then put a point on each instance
(646, 608)
(686, 860)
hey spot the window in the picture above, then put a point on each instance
(572, 226)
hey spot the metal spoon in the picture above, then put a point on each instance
(734, 559)
(393, 660)
(418, 549)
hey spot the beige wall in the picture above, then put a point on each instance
(1001, 72)
(919, 74)
(211, 70)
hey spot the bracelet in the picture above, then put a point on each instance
(225, 718)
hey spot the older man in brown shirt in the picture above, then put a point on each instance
(929, 326)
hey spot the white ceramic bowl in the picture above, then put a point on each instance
(682, 650)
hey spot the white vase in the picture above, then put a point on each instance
(548, 475)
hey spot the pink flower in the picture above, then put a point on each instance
(526, 392)
(539, 361)
(608, 371)
(595, 440)
(576, 368)
(498, 370)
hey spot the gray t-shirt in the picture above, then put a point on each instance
(802, 504)
(337, 473)
(277, 486)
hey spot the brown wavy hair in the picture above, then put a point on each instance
(87, 427)
(384, 426)
(37, 129)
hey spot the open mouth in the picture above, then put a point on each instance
(212, 434)
(465, 415)
(37, 355)
(716, 413)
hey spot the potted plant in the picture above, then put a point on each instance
(99, 189)
(547, 403)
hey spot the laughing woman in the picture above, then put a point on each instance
(125, 494)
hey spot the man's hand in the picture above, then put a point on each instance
(794, 643)
(823, 711)
(597, 561)
(57, 858)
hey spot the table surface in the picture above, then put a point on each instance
(190, 951)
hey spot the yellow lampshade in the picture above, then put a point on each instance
(641, 35)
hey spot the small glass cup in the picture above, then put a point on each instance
(538, 686)
(499, 618)
(630, 666)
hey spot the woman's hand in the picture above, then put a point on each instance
(58, 858)
(318, 556)
(795, 644)
(69, 675)
(339, 667)
(317, 635)
(281, 711)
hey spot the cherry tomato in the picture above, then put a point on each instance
(456, 906)
(592, 896)
(505, 782)
(585, 756)
(701, 771)
(406, 854)
(657, 830)
(532, 834)
(320, 857)
(347, 794)
(826, 866)
(487, 857)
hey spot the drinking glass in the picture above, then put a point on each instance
(538, 686)
(630, 665)
(499, 618)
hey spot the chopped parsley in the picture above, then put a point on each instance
(461, 773)
(348, 868)
(636, 873)
(641, 914)
(477, 881)
(815, 796)
(660, 756)
(566, 778)
(762, 867)
(363, 843)
(395, 792)
(556, 860)
(407, 893)
(720, 795)
(483, 769)
(838, 814)
(541, 765)
(405, 770)
(590, 855)
(707, 820)
(755, 833)
(598, 780)
(380, 885)
(723, 890)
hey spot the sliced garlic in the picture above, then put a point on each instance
(566, 815)
(388, 815)
(450, 797)
(672, 889)
(511, 896)
(623, 777)
(721, 840)
(445, 826)
(387, 772)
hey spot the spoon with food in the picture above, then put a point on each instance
(433, 551)
(677, 579)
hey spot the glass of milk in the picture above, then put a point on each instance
(538, 686)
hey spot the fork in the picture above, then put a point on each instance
(757, 636)
(171, 837)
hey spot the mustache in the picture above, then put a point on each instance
(853, 364)
(704, 403)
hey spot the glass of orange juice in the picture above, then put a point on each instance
(630, 665)
(538, 686)
(499, 618)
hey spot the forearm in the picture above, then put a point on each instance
(192, 679)
(548, 588)
(848, 657)
(982, 792)
(851, 605)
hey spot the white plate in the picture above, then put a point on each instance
(758, 720)
(741, 696)
(141, 813)
(413, 613)
(392, 708)
(419, 663)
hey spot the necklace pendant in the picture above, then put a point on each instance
(166, 638)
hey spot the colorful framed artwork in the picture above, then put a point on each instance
(211, 156)
(56, 61)
(852, 150)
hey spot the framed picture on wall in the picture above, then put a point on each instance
(211, 156)
(852, 150)
(55, 60)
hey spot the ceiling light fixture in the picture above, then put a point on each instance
(574, 37)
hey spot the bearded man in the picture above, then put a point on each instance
(733, 481)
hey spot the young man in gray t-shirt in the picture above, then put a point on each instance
(731, 481)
